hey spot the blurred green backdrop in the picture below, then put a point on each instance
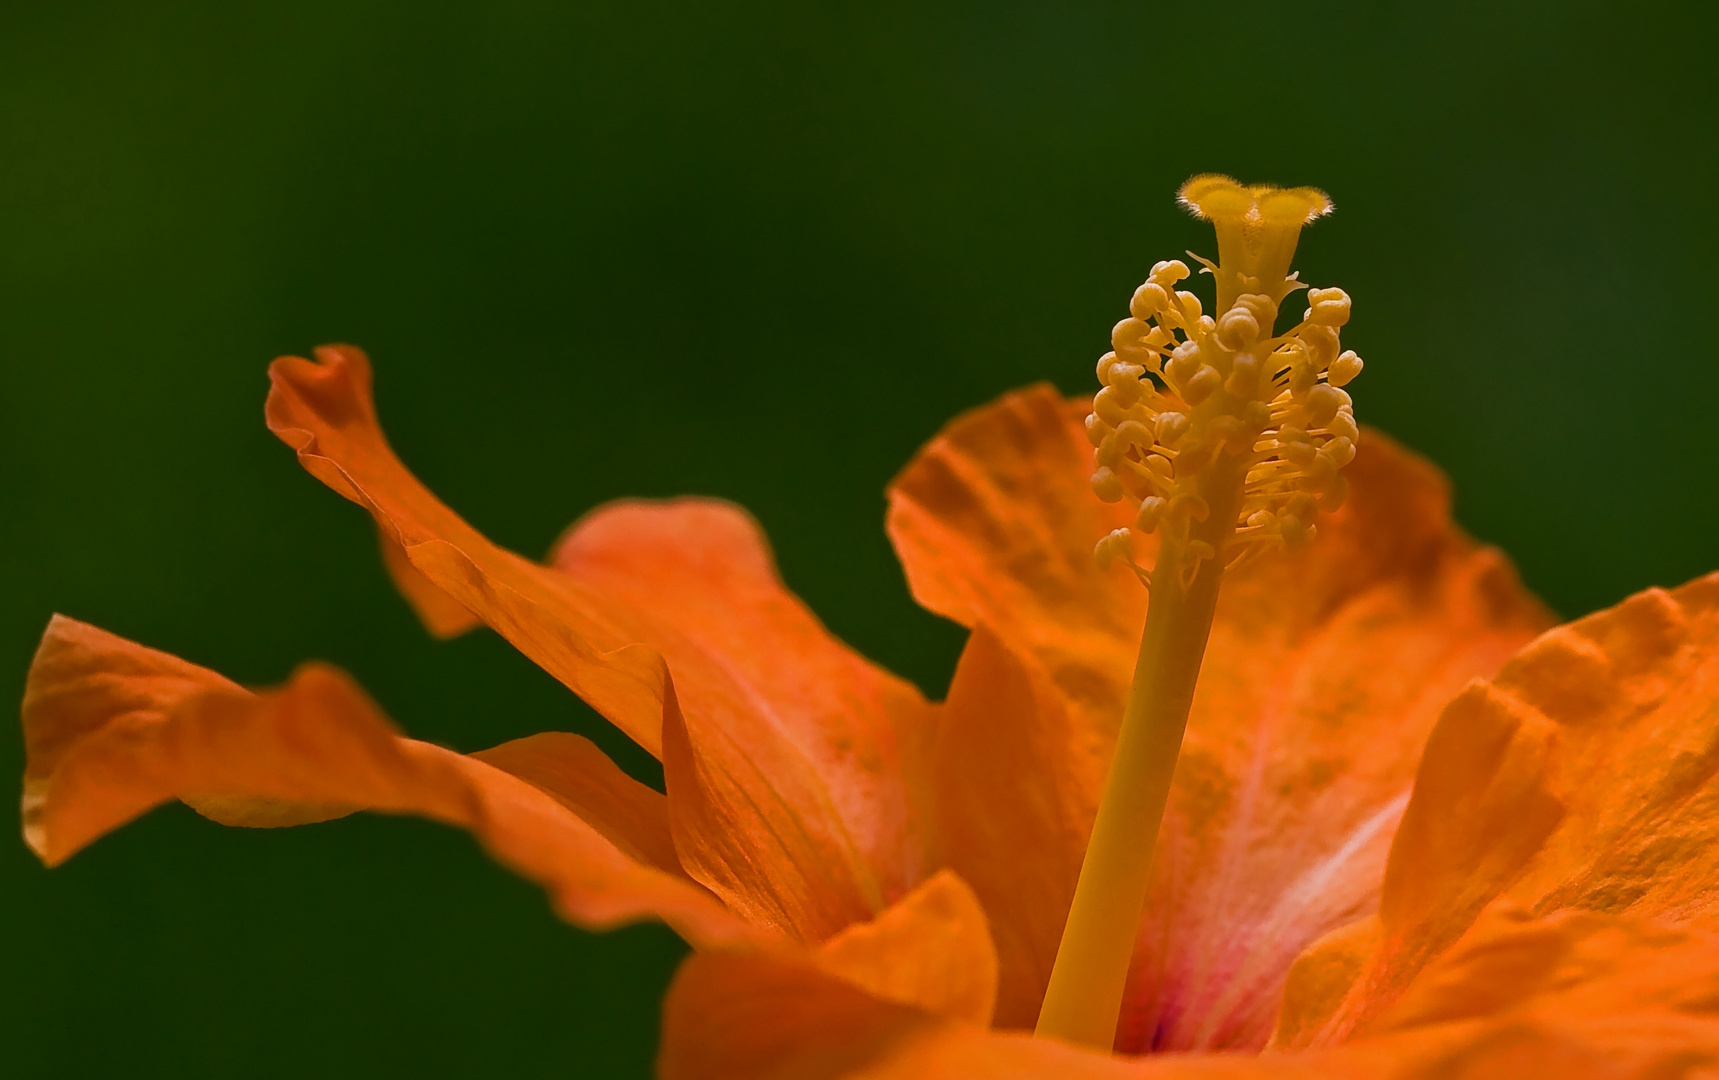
(608, 248)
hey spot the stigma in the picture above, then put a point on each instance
(1192, 402)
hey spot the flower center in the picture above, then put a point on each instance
(1228, 439)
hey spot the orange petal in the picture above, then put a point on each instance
(995, 521)
(932, 951)
(786, 792)
(1576, 995)
(1319, 980)
(737, 1015)
(740, 1016)
(790, 799)
(114, 729)
(1324, 674)
(1586, 775)
(324, 411)
(926, 959)
(440, 613)
(572, 771)
(1011, 805)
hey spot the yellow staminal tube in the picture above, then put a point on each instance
(1228, 439)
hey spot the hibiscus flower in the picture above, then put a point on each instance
(1410, 831)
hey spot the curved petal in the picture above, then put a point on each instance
(1577, 995)
(1011, 799)
(786, 790)
(994, 522)
(1585, 775)
(572, 771)
(440, 613)
(114, 729)
(825, 1012)
(790, 800)
(1284, 800)
(740, 1015)
(324, 411)
(931, 951)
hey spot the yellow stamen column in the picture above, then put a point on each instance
(1230, 448)
(1086, 984)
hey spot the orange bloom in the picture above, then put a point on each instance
(1374, 861)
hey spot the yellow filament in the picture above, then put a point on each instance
(1228, 438)
(1085, 993)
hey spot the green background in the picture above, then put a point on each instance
(642, 248)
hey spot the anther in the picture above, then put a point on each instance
(1296, 533)
(1343, 426)
(1171, 426)
(1322, 404)
(1237, 328)
(1109, 409)
(1202, 385)
(1149, 299)
(1117, 545)
(1262, 307)
(1106, 485)
(1330, 307)
(1345, 367)
(1125, 380)
(1320, 473)
(1184, 362)
(1244, 377)
(1168, 272)
(1096, 430)
(1187, 506)
(1321, 342)
(1128, 338)
(1151, 513)
(1136, 434)
(1299, 454)
(1301, 505)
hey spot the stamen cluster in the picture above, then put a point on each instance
(1184, 392)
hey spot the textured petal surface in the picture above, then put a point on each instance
(790, 798)
(440, 613)
(932, 951)
(1010, 772)
(785, 775)
(1585, 775)
(1577, 995)
(762, 1016)
(325, 412)
(822, 1012)
(994, 522)
(1324, 674)
(114, 729)
(572, 771)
